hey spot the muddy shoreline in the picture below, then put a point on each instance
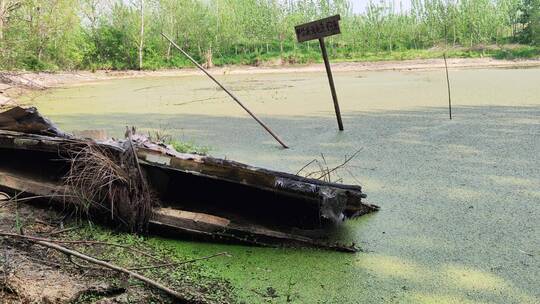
(15, 84)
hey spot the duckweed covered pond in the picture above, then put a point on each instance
(460, 214)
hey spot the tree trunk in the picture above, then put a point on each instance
(141, 43)
(2, 18)
(169, 52)
(209, 60)
(454, 42)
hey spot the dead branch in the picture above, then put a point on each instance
(4, 196)
(72, 261)
(326, 169)
(347, 160)
(305, 166)
(92, 260)
(324, 172)
(83, 242)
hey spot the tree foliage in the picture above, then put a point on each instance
(92, 34)
(530, 17)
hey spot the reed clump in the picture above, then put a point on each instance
(102, 180)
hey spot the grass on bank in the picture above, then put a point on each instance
(312, 54)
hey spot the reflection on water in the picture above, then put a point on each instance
(459, 198)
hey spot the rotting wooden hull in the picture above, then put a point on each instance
(200, 196)
(333, 202)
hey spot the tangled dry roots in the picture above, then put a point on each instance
(106, 180)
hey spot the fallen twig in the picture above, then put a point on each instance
(72, 261)
(30, 198)
(325, 172)
(4, 196)
(84, 242)
(305, 166)
(347, 160)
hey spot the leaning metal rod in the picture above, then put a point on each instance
(448, 85)
(227, 91)
(446, 67)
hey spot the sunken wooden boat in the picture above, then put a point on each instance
(193, 195)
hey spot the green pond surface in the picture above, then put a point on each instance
(460, 199)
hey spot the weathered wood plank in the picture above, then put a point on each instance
(167, 219)
(26, 185)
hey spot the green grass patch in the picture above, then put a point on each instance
(522, 52)
(309, 55)
(164, 137)
(188, 147)
(313, 55)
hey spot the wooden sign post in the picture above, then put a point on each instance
(318, 30)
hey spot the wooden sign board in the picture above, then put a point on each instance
(318, 29)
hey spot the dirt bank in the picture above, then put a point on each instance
(31, 273)
(14, 84)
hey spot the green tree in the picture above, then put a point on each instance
(530, 17)
(7, 7)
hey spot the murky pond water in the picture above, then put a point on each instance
(460, 199)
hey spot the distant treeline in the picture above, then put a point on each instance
(125, 34)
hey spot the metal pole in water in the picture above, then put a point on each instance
(448, 85)
(227, 91)
(331, 81)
